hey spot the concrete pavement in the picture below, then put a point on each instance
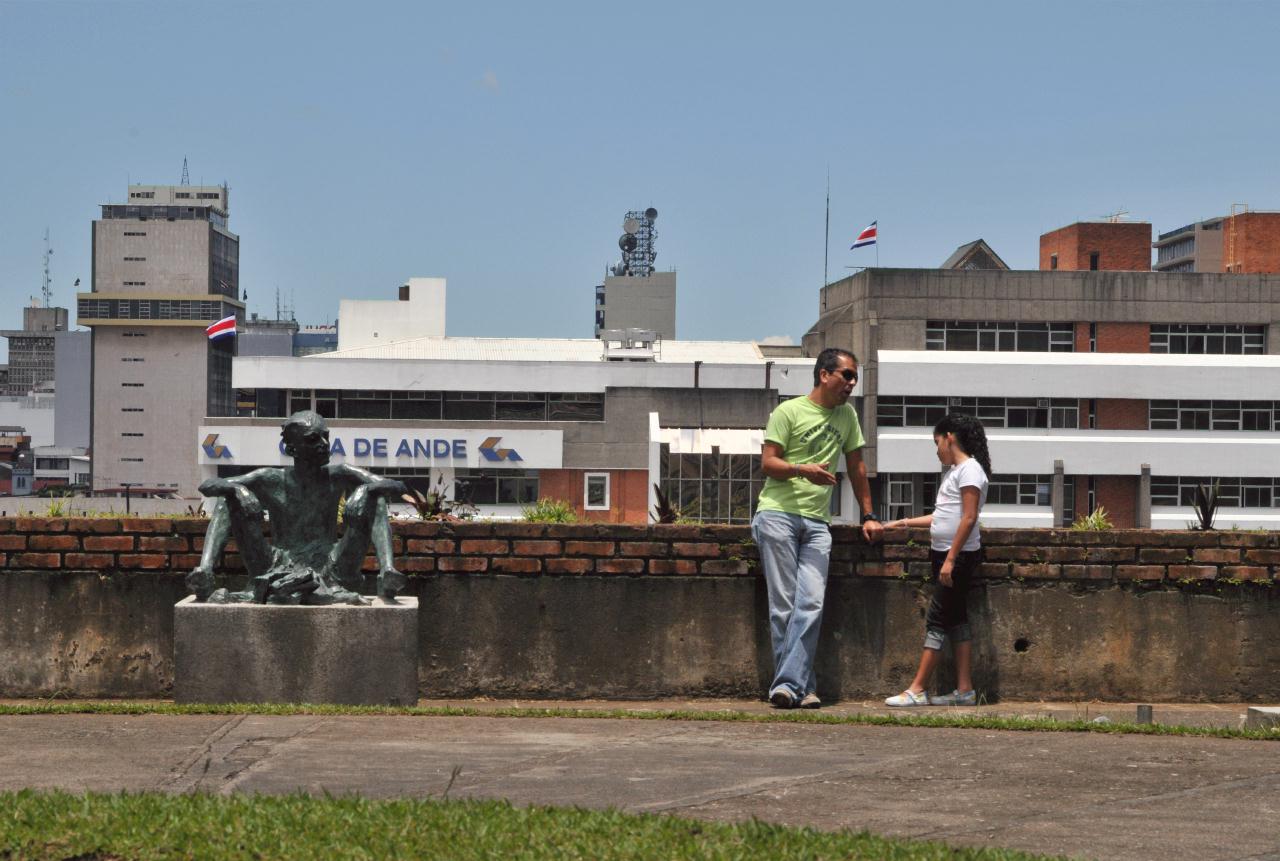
(1091, 795)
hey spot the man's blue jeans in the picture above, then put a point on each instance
(796, 552)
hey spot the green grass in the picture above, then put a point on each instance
(57, 825)
(952, 721)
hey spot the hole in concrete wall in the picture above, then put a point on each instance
(1021, 644)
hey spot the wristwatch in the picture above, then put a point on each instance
(869, 516)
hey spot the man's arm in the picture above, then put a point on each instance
(857, 469)
(772, 465)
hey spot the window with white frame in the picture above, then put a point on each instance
(595, 491)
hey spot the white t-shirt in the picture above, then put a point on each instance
(947, 507)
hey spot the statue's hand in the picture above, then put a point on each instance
(200, 581)
(390, 582)
(388, 487)
(216, 487)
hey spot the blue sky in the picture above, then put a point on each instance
(498, 145)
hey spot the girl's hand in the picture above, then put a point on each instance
(944, 574)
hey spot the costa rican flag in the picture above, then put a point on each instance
(866, 237)
(226, 327)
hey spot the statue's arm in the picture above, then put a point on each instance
(379, 489)
(238, 492)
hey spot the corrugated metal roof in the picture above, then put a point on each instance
(546, 349)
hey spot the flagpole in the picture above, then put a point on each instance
(826, 248)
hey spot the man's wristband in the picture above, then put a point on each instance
(869, 517)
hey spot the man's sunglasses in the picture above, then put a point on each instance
(849, 376)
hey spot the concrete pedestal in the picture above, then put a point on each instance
(1262, 717)
(263, 653)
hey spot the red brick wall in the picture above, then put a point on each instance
(1122, 414)
(1121, 246)
(1118, 494)
(1256, 242)
(628, 493)
(112, 546)
(1124, 338)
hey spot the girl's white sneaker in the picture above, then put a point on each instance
(907, 699)
(955, 698)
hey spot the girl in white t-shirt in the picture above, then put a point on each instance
(956, 553)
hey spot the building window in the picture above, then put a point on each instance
(1233, 492)
(132, 359)
(132, 385)
(715, 487)
(182, 195)
(897, 411)
(127, 433)
(1207, 339)
(992, 336)
(131, 409)
(131, 460)
(135, 259)
(135, 233)
(496, 486)
(1093, 261)
(595, 491)
(1019, 490)
(135, 283)
(133, 334)
(1214, 415)
(53, 463)
(1053, 261)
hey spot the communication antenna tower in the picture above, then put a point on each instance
(186, 177)
(46, 290)
(637, 243)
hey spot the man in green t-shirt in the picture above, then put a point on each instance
(803, 442)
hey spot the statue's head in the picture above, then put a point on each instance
(306, 437)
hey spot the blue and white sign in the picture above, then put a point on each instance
(375, 447)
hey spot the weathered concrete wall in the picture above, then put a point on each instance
(629, 611)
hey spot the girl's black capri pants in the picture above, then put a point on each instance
(948, 614)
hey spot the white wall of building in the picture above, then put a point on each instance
(1153, 376)
(1097, 452)
(366, 322)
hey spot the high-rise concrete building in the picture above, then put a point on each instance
(635, 295)
(31, 352)
(165, 266)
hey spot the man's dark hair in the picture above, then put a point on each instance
(829, 360)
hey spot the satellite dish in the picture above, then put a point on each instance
(627, 242)
(651, 213)
(619, 268)
(631, 225)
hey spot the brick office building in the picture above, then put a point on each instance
(1096, 372)
(1097, 246)
(1241, 243)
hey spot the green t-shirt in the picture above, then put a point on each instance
(808, 434)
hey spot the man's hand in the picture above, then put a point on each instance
(944, 574)
(200, 581)
(390, 582)
(229, 490)
(815, 473)
(873, 531)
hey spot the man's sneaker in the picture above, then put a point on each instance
(782, 698)
(907, 699)
(811, 701)
(956, 698)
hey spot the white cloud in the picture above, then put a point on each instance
(489, 80)
(777, 341)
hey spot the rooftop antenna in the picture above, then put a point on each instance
(46, 290)
(186, 177)
(1117, 216)
(277, 301)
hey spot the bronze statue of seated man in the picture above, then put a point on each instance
(306, 562)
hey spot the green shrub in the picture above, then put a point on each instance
(549, 511)
(1098, 521)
